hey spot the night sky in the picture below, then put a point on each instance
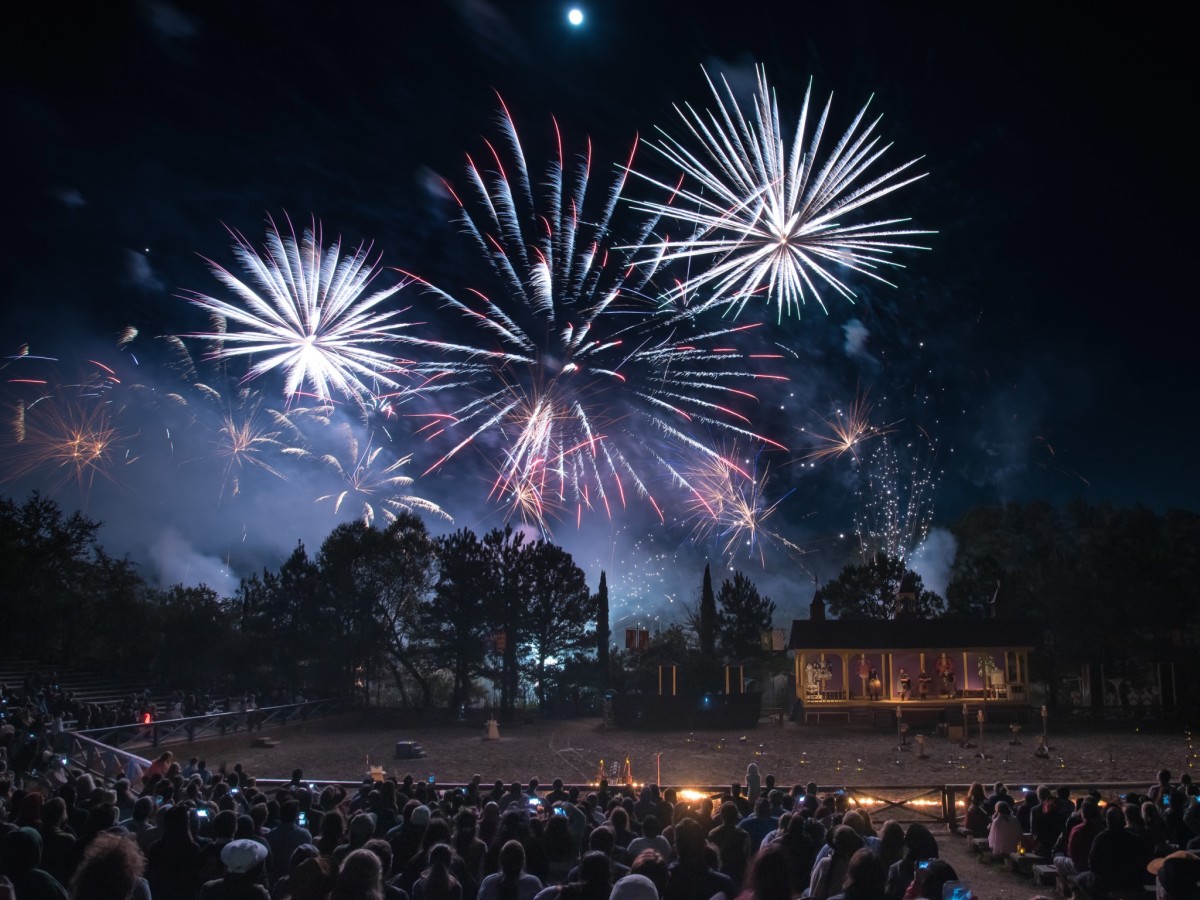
(1043, 342)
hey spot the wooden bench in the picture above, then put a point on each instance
(1044, 874)
(1023, 863)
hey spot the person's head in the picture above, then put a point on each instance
(360, 877)
(729, 813)
(311, 879)
(762, 807)
(109, 870)
(512, 859)
(1164, 777)
(650, 826)
(383, 850)
(635, 886)
(595, 869)
(854, 820)
(603, 840)
(1090, 810)
(1044, 793)
(1114, 817)
(244, 859)
(54, 811)
(770, 874)
(976, 794)
(934, 878)
(20, 851)
(288, 812)
(845, 841)
(919, 843)
(1000, 788)
(620, 819)
(1176, 875)
(652, 865)
(891, 841)
(1003, 810)
(689, 842)
(865, 876)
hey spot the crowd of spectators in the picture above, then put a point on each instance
(187, 832)
(195, 833)
(1098, 848)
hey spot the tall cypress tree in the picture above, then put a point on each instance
(603, 633)
(707, 630)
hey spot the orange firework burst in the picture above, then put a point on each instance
(67, 438)
(847, 430)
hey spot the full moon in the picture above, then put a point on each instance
(575, 16)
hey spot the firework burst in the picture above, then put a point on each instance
(372, 483)
(575, 367)
(65, 436)
(728, 505)
(846, 431)
(770, 220)
(896, 490)
(305, 311)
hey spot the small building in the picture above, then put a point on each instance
(846, 667)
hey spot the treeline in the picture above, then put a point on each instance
(1104, 584)
(430, 616)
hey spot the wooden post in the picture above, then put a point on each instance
(964, 674)
(846, 674)
(890, 681)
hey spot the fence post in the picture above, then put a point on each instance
(949, 806)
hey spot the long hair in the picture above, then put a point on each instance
(512, 866)
(360, 878)
(109, 870)
(439, 883)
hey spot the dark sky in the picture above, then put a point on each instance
(1044, 340)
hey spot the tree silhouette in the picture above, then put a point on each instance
(706, 626)
(744, 616)
(603, 631)
(869, 590)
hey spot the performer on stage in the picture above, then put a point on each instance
(874, 685)
(905, 684)
(863, 670)
(923, 681)
(945, 670)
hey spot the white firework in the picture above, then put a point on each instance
(304, 310)
(770, 220)
(372, 483)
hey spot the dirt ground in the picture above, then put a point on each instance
(341, 749)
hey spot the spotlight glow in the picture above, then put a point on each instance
(575, 16)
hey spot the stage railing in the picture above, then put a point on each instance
(166, 731)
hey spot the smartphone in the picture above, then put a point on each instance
(559, 811)
(158, 800)
(430, 780)
(923, 864)
(534, 803)
(64, 761)
(235, 790)
(1166, 799)
(302, 820)
(957, 890)
(202, 814)
(312, 786)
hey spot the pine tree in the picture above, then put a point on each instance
(707, 630)
(603, 632)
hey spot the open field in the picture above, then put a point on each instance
(339, 749)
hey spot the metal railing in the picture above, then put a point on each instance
(165, 731)
(103, 760)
